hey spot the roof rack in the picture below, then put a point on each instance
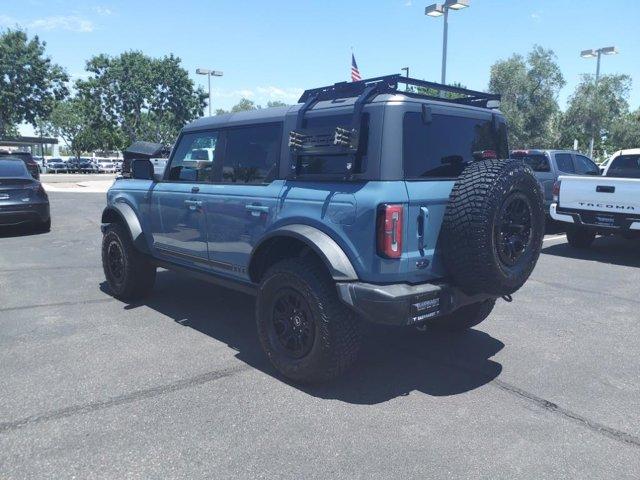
(389, 84)
(339, 140)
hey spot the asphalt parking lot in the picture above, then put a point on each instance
(177, 386)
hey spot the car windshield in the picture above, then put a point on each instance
(12, 169)
(626, 166)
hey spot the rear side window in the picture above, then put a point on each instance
(585, 166)
(194, 157)
(537, 162)
(444, 146)
(625, 166)
(252, 154)
(335, 164)
(565, 162)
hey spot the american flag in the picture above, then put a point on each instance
(355, 73)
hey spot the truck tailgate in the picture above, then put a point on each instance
(601, 194)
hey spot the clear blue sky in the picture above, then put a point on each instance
(274, 49)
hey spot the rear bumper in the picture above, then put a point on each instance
(29, 213)
(403, 304)
(597, 220)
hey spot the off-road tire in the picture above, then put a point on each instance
(336, 338)
(580, 237)
(464, 318)
(137, 275)
(468, 236)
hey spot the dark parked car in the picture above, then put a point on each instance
(28, 160)
(88, 166)
(73, 165)
(22, 198)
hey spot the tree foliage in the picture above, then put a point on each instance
(603, 110)
(146, 98)
(30, 83)
(72, 120)
(529, 89)
(245, 105)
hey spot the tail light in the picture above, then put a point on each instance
(556, 191)
(389, 231)
(485, 155)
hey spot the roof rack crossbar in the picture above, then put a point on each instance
(389, 84)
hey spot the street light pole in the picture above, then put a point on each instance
(209, 81)
(445, 34)
(439, 10)
(209, 73)
(596, 53)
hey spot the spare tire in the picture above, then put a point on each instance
(493, 227)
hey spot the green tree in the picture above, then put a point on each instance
(625, 132)
(30, 83)
(146, 98)
(529, 89)
(601, 110)
(245, 105)
(433, 92)
(276, 103)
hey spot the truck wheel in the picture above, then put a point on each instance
(129, 273)
(463, 318)
(579, 237)
(306, 332)
(493, 227)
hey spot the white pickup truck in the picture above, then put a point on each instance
(601, 205)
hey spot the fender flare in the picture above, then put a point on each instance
(333, 256)
(124, 213)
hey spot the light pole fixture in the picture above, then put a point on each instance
(596, 53)
(442, 9)
(209, 73)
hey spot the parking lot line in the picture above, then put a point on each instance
(557, 237)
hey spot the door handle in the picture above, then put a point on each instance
(423, 217)
(257, 208)
(193, 205)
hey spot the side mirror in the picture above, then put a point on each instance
(142, 169)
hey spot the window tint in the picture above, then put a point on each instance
(252, 154)
(565, 162)
(625, 166)
(12, 168)
(444, 146)
(584, 166)
(194, 157)
(539, 163)
(335, 164)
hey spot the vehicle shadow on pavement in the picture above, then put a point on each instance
(613, 250)
(19, 231)
(393, 362)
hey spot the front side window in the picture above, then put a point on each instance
(585, 166)
(252, 154)
(445, 145)
(565, 162)
(194, 157)
(627, 166)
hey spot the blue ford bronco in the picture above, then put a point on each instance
(364, 202)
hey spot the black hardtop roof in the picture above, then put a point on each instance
(346, 94)
(144, 149)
